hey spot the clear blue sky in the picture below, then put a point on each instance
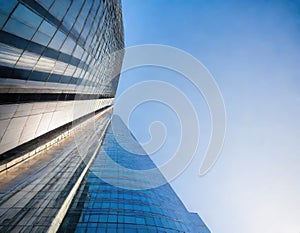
(252, 48)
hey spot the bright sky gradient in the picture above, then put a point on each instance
(252, 48)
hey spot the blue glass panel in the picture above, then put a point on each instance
(82, 17)
(54, 78)
(41, 38)
(5, 8)
(57, 40)
(47, 28)
(59, 8)
(72, 13)
(38, 76)
(26, 16)
(8, 5)
(3, 18)
(65, 79)
(78, 51)
(17, 28)
(68, 46)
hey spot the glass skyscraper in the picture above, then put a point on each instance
(53, 52)
(57, 139)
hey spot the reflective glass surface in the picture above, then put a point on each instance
(86, 30)
(99, 206)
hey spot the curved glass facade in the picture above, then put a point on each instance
(101, 207)
(61, 44)
(55, 54)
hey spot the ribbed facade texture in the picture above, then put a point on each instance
(59, 65)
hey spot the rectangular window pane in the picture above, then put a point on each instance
(59, 8)
(47, 28)
(26, 16)
(17, 28)
(78, 52)
(5, 8)
(72, 13)
(68, 46)
(57, 40)
(41, 38)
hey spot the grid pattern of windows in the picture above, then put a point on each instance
(102, 207)
(32, 193)
(61, 43)
(51, 50)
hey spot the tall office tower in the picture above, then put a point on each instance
(54, 53)
(57, 58)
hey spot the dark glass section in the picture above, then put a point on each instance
(5, 9)
(19, 98)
